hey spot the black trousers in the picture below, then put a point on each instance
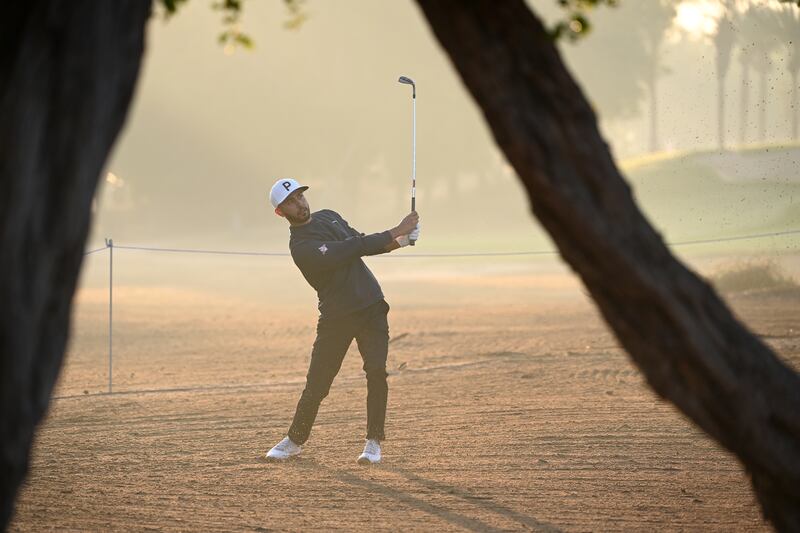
(370, 328)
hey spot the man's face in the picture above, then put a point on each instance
(294, 208)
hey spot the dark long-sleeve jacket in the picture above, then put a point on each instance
(328, 253)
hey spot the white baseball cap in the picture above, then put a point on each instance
(282, 189)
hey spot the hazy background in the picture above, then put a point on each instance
(210, 131)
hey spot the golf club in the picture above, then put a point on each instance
(409, 81)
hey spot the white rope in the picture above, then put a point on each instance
(455, 254)
(110, 246)
(193, 251)
(95, 251)
(741, 238)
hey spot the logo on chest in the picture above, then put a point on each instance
(323, 249)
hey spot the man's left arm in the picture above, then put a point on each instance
(393, 245)
(398, 242)
(401, 240)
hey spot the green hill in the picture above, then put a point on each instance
(707, 194)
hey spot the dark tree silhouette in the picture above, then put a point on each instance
(676, 329)
(67, 73)
(69, 68)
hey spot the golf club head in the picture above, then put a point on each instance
(409, 81)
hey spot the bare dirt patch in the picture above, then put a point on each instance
(501, 417)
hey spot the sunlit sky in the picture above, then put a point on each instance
(698, 18)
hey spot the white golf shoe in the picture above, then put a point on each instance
(371, 454)
(284, 449)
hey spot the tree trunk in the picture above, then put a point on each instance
(762, 106)
(67, 73)
(793, 107)
(721, 112)
(744, 104)
(688, 345)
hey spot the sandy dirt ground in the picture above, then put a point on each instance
(502, 416)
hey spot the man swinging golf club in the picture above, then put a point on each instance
(351, 304)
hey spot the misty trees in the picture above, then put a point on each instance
(689, 346)
(613, 71)
(620, 62)
(788, 33)
(746, 57)
(724, 39)
(655, 18)
(759, 31)
(759, 35)
(68, 71)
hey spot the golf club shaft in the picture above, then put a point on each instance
(414, 155)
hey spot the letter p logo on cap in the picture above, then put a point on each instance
(282, 189)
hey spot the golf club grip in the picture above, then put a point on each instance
(413, 208)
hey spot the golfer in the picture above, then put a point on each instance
(328, 253)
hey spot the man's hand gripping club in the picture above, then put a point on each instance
(405, 232)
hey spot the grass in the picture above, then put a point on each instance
(683, 195)
(632, 164)
(686, 196)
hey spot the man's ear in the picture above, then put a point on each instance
(279, 212)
